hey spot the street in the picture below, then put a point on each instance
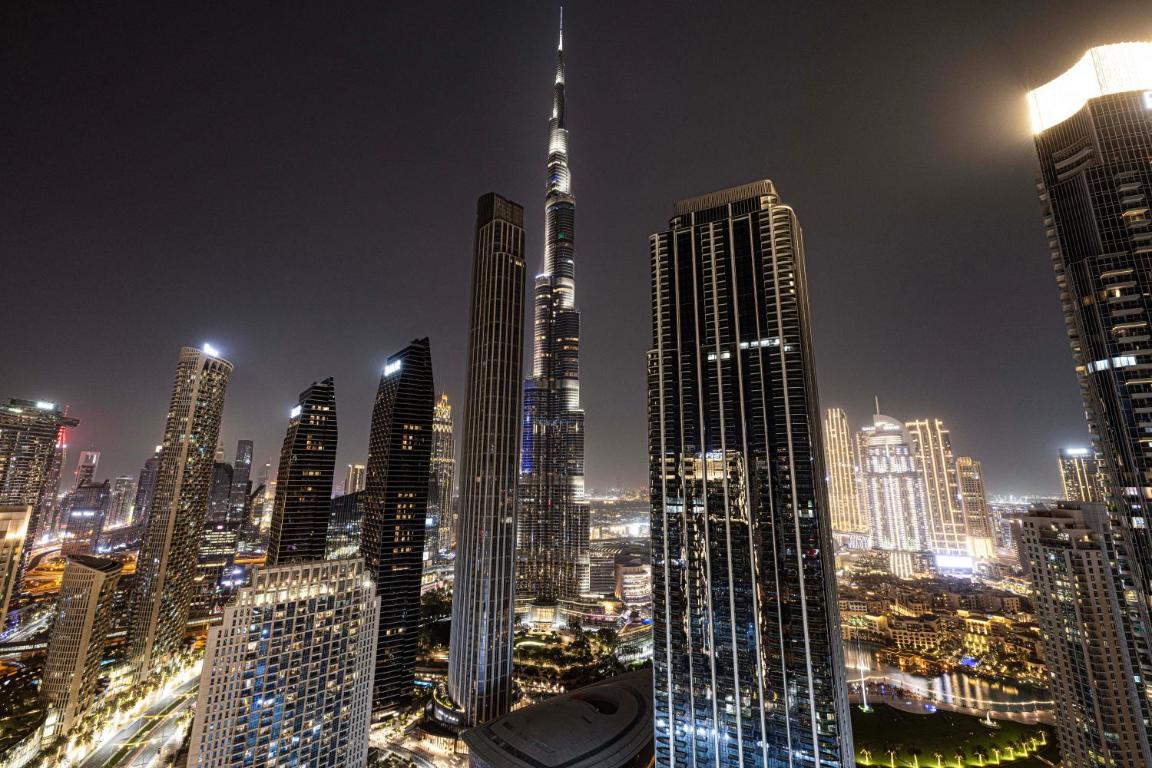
(149, 731)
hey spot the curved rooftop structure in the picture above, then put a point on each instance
(607, 725)
(1103, 70)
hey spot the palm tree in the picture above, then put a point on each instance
(892, 751)
(865, 755)
(915, 752)
(939, 759)
(997, 751)
(959, 755)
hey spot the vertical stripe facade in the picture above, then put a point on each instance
(748, 662)
(483, 603)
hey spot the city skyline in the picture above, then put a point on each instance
(854, 250)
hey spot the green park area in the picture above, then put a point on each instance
(892, 738)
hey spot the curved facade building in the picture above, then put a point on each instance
(605, 725)
(553, 528)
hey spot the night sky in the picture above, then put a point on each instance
(296, 184)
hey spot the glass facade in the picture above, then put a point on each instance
(395, 504)
(1094, 145)
(166, 566)
(483, 601)
(287, 678)
(553, 525)
(304, 482)
(747, 656)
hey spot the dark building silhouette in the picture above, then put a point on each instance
(304, 482)
(395, 504)
(483, 604)
(1093, 134)
(748, 663)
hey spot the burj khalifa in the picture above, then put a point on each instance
(553, 526)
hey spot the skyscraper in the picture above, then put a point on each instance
(86, 467)
(553, 523)
(345, 526)
(29, 436)
(217, 546)
(287, 678)
(395, 505)
(48, 508)
(304, 482)
(747, 658)
(76, 644)
(354, 478)
(893, 492)
(1092, 127)
(146, 488)
(1067, 551)
(85, 521)
(974, 500)
(440, 476)
(120, 502)
(483, 603)
(1080, 475)
(846, 511)
(932, 445)
(241, 483)
(167, 561)
(13, 537)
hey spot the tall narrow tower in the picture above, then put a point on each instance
(440, 476)
(483, 602)
(167, 562)
(553, 530)
(395, 505)
(747, 658)
(304, 482)
(1093, 131)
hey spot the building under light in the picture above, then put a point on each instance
(1067, 551)
(893, 494)
(166, 565)
(747, 655)
(1092, 127)
(76, 643)
(287, 677)
(13, 536)
(847, 511)
(1080, 475)
(974, 500)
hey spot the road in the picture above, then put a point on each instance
(131, 743)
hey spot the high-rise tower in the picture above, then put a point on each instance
(166, 566)
(30, 441)
(893, 487)
(747, 658)
(553, 528)
(1092, 127)
(845, 509)
(483, 600)
(440, 476)
(304, 483)
(947, 530)
(1080, 475)
(395, 505)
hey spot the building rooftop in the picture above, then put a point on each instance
(606, 725)
(102, 564)
(761, 188)
(1102, 71)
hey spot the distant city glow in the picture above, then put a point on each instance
(1103, 70)
(210, 350)
(391, 368)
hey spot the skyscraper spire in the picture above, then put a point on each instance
(553, 531)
